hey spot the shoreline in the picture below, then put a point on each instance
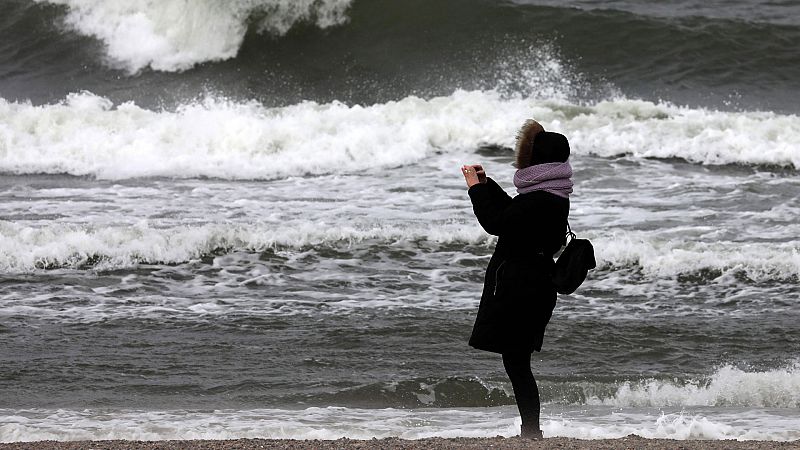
(629, 442)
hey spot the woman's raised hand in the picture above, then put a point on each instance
(473, 174)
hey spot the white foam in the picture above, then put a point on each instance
(62, 245)
(88, 135)
(664, 257)
(24, 248)
(645, 129)
(172, 35)
(708, 425)
(336, 422)
(727, 387)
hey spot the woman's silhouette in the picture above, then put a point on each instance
(518, 296)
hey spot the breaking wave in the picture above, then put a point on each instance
(74, 246)
(24, 248)
(659, 258)
(352, 423)
(172, 35)
(727, 387)
(88, 135)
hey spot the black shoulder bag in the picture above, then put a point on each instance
(573, 264)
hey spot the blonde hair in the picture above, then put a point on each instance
(524, 148)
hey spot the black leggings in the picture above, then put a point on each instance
(518, 368)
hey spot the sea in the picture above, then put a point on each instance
(246, 218)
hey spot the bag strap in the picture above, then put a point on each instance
(570, 234)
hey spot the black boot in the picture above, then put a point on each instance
(530, 432)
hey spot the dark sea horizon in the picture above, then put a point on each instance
(246, 219)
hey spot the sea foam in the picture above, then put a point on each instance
(173, 35)
(67, 245)
(727, 387)
(353, 423)
(25, 248)
(88, 135)
(663, 258)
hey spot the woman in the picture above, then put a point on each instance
(518, 296)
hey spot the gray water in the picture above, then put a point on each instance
(224, 259)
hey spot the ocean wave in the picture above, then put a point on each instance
(24, 248)
(357, 423)
(352, 423)
(664, 258)
(737, 10)
(89, 135)
(727, 387)
(173, 35)
(450, 392)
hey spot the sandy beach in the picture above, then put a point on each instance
(630, 442)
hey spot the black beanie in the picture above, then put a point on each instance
(549, 147)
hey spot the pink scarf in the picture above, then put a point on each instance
(555, 177)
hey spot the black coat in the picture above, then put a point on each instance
(518, 295)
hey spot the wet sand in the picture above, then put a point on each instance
(630, 442)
